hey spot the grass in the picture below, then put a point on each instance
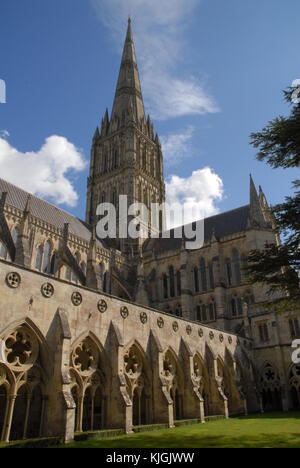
(272, 430)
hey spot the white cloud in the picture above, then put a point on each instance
(198, 193)
(159, 27)
(177, 146)
(44, 173)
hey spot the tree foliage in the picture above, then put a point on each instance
(278, 265)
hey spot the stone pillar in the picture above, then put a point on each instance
(61, 406)
(8, 417)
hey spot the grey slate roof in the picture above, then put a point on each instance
(45, 211)
(224, 224)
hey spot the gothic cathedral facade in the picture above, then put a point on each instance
(117, 333)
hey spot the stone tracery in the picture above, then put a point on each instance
(88, 386)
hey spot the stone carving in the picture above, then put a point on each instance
(124, 312)
(102, 306)
(76, 298)
(47, 290)
(160, 322)
(21, 348)
(13, 280)
(143, 317)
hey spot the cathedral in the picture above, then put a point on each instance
(118, 333)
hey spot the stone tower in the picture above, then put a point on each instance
(126, 156)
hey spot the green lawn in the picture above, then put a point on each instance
(269, 430)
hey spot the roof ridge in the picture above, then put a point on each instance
(43, 200)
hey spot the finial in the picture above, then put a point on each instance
(129, 19)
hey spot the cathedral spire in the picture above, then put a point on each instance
(256, 214)
(128, 85)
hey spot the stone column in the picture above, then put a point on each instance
(8, 418)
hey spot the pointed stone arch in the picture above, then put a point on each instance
(90, 376)
(270, 387)
(27, 361)
(138, 377)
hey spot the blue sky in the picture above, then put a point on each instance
(211, 72)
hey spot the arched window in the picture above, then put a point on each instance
(212, 310)
(239, 306)
(211, 276)
(38, 258)
(103, 197)
(196, 279)
(53, 265)
(165, 286)
(46, 258)
(233, 307)
(172, 281)
(15, 235)
(178, 311)
(203, 275)
(100, 270)
(245, 269)
(198, 313)
(3, 250)
(83, 267)
(145, 158)
(178, 277)
(68, 273)
(105, 285)
(74, 276)
(236, 265)
(228, 271)
(294, 328)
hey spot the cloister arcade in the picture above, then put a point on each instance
(216, 383)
